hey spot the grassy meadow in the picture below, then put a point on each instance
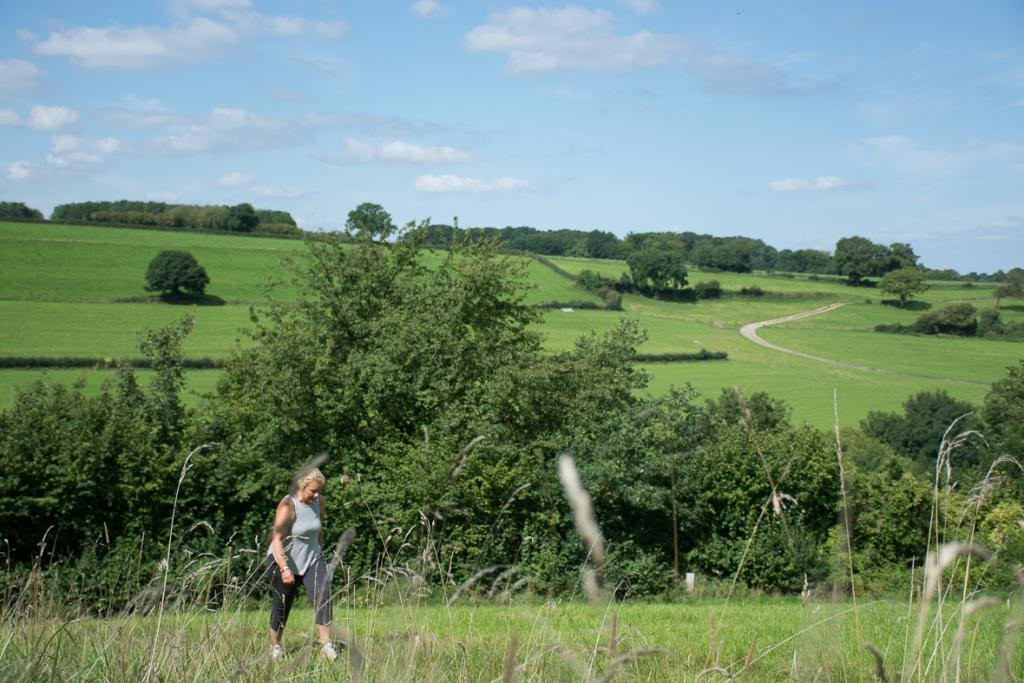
(77, 291)
(695, 639)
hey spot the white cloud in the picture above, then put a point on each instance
(19, 170)
(108, 145)
(223, 128)
(17, 75)
(51, 118)
(640, 6)
(40, 118)
(65, 143)
(70, 151)
(141, 113)
(819, 184)
(542, 40)
(426, 8)
(907, 155)
(257, 23)
(453, 183)
(396, 150)
(234, 179)
(140, 47)
(277, 192)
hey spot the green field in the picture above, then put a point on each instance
(696, 639)
(63, 292)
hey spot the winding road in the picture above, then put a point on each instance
(750, 332)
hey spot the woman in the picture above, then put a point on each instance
(296, 556)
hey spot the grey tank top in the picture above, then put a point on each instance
(302, 547)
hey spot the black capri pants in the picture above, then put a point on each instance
(318, 587)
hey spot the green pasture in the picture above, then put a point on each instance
(52, 262)
(698, 639)
(974, 360)
(83, 263)
(98, 330)
(59, 285)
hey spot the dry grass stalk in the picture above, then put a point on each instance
(713, 671)
(879, 663)
(968, 609)
(586, 524)
(508, 669)
(460, 459)
(344, 541)
(750, 652)
(356, 656)
(470, 581)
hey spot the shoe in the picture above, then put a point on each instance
(329, 652)
(276, 652)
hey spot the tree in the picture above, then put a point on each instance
(1013, 286)
(858, 258)
(174, 271)
(242, 218)
(917, 433)
(904, 283)
(659, 264)
(370, 221)
(1004, 413)
(18, 210)
(901, 255)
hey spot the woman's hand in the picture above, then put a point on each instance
(287, 576)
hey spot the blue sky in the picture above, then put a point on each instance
(795, 122)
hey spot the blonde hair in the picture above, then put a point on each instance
(308, 477)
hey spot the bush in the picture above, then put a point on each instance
(956, 318)
(711, 289)
(752, 290)
(989, 324)
(174, 271)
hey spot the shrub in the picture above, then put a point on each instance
(956, 318)
(711, 289)
(989, 324)
(752, 290)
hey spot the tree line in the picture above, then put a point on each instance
(241, 218)
(441, 418)
(855, 257)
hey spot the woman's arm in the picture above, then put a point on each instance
(283, 519)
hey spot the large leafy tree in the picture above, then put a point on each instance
(176, 271)
(392, 368)
(370, 221)
(858, 258)
(903, 283)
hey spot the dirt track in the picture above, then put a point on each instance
(750, 332)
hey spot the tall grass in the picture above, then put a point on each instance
(202, 617)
